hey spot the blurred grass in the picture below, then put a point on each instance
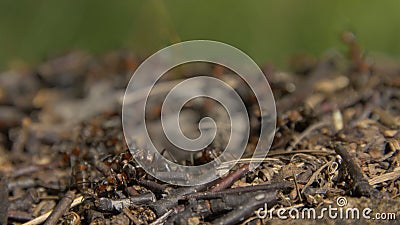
(269, 31)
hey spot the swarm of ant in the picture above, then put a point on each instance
(64, 159)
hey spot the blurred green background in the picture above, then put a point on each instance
(269, 31)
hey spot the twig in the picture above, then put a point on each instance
(384, 177)
(306, 151)
(247, 209)
(239, 190)
(297, 187)
(152, 186)
(60, 208)
(161, 220)
(206, 208)
(196, 209)
(314, 175)
(109, 205)
(360, 183)
(307, 132)
(132, 217)
(39, 207)
(164, 205)
(43, 217)
(231, 178)
(19, 215)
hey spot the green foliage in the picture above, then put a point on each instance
(269, 31)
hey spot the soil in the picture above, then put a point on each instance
(63, 152)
